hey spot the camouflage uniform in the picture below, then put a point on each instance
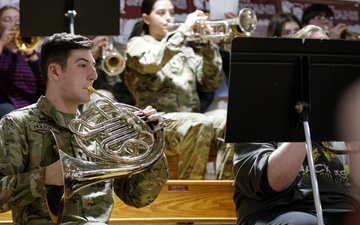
(26, 148)
(166, 74)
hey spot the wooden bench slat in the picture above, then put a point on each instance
(183, 201)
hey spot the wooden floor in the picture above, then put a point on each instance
(180, 202)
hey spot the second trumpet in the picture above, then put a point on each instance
(113, 63)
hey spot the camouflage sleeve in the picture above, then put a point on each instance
(141, 189)
(147, 55)
(18, 188)
(209, 70)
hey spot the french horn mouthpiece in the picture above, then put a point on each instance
(93, 90)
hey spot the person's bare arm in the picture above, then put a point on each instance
(284, 164)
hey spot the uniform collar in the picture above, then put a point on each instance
(60, 118)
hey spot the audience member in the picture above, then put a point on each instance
(30, 169)
(273, 183)
(166, 73)
(22, 83)
(283, 25)
(323, 16)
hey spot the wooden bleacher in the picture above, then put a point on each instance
(180, 202)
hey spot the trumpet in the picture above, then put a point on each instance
(224, 30)
(347, 32)
(26, 43)
(113, 62)
(126, 144)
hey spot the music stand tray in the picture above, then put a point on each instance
(270, 76)
(90, 17)
(281, 89)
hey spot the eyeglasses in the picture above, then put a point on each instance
(321, 17)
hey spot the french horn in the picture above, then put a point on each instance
(127, 144)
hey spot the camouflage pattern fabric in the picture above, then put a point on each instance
(25, 150)
(191, 137)
(167, 74)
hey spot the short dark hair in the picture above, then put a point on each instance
(315, 10)
(57, 48)
(277, 22)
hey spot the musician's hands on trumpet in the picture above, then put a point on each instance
(101, 44)
(196, 21)
(7, 36)
(340, 31)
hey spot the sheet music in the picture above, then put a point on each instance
(219, 8)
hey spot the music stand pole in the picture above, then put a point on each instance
(302, 107)
(71, 14)
(310, 159)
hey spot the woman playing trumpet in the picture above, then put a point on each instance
(165, 69)
(22, 82)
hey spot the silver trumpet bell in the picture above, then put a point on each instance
(113, 62)
(125, 144)
(223, 30)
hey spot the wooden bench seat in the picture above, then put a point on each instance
(180, 202)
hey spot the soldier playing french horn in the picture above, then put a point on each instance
(31, 139)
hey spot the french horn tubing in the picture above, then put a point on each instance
(126, 144)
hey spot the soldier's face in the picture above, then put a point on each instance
(77, 76)
(161, 14)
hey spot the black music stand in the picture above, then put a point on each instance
(281, 89)
(85, 17)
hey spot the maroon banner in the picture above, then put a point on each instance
(347, 12)
(130, 9)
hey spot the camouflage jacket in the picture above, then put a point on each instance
(26, 147)
(167, 74)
